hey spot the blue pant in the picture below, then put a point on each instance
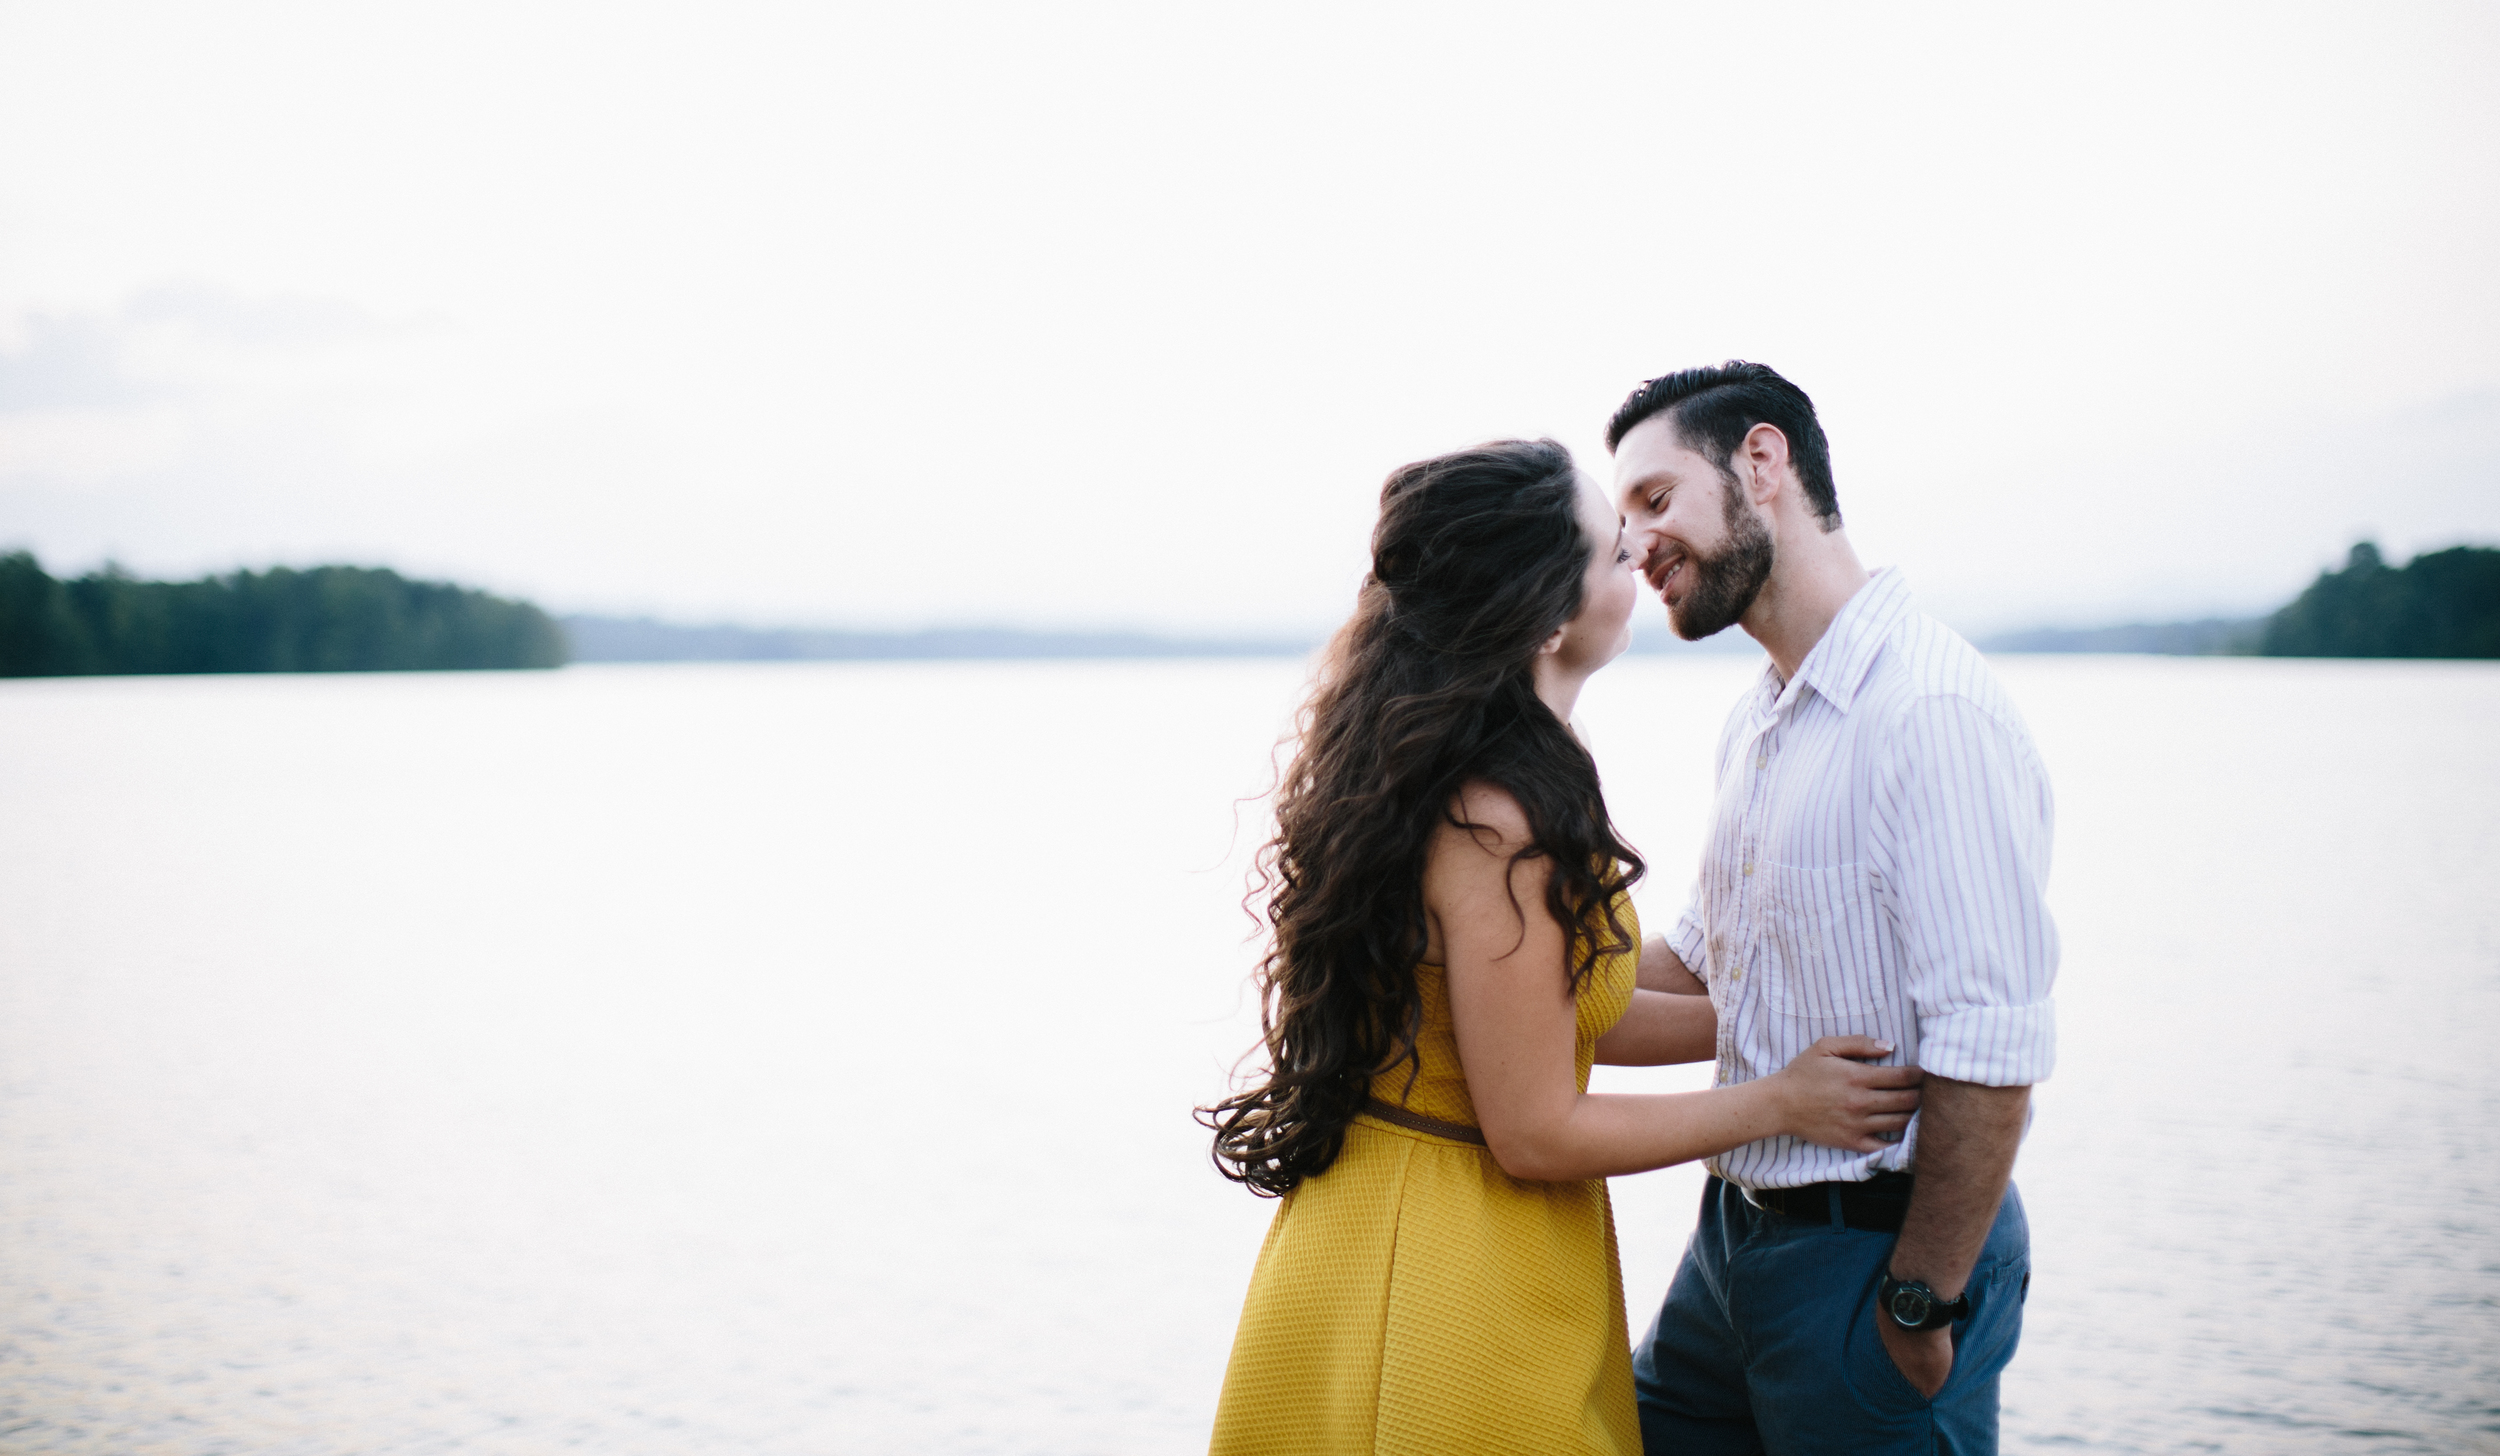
(1767, 1342)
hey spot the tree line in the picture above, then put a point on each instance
(2439, 604)
(326, 619)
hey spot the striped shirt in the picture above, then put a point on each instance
(1875, 865)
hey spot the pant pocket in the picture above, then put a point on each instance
(1985, 1342)
(1873, 1377)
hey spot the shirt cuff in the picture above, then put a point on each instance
(1993, 1046)
(1690, 946)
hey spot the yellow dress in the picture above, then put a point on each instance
(1416, 1298)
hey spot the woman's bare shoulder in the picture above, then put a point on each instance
(1483, 825)
(1483, 882)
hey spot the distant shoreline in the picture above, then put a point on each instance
(2205, 637)
(645, 639)
(2443, 604)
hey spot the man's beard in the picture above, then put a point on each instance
(1725, 582)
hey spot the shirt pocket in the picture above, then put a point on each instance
(1826, 941)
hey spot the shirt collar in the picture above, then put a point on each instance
(1837, 664)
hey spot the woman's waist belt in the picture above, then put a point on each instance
(1455, 1131)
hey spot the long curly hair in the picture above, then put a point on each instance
(1478, 557)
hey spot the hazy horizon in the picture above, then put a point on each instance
(1114, 319)
(1648, 621)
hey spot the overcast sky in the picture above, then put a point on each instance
(1117, 315)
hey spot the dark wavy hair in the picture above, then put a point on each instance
(1478, 557)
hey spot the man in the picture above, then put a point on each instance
(1874, 865)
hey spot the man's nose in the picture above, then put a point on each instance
(1644, 544)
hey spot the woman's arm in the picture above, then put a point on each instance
(1515, 1021)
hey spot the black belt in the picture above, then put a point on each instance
(1876, 1205)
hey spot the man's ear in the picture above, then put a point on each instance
(1765, 449)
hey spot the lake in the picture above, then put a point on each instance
(797, 1058)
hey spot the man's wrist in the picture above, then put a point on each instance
(1916, 1308)
(1944, 1289)
(1911, 1259)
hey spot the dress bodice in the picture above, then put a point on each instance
(1439, 1089)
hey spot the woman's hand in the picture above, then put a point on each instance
(1831, 1097)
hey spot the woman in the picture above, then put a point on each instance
(1445, 891)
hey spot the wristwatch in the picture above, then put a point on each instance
(1914, 1306)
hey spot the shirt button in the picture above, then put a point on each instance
(1749, 867)
(1763, 762)
(1736, 973)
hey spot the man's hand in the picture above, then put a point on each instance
(1924, 1357)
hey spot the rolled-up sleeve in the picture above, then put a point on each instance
(1963, 832)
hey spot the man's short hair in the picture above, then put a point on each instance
(1712, 408)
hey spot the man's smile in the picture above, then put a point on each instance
(1667, 569)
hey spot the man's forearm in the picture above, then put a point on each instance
(1967, 1135)
(1661, 969)
(1658, 1031)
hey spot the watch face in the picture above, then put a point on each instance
(1910, 1305)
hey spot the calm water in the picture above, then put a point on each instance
(796, 1058)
